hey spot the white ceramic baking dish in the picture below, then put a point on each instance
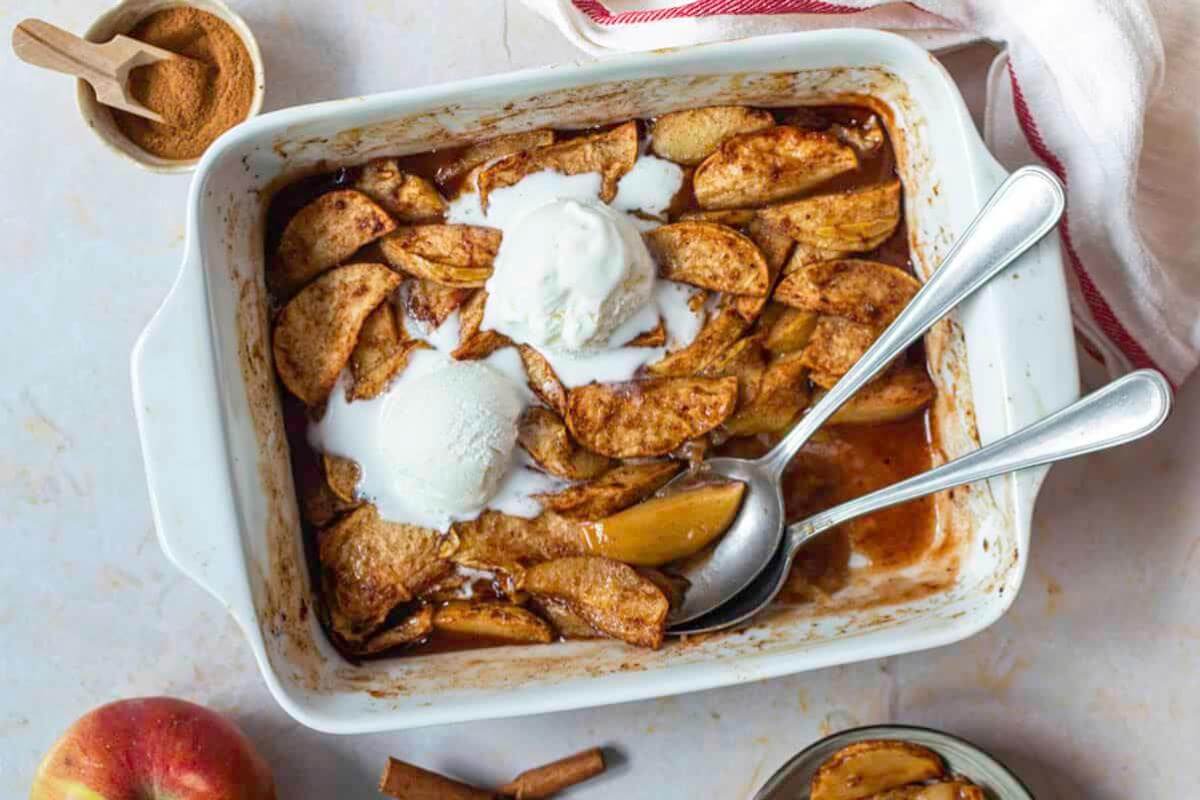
(216, 456)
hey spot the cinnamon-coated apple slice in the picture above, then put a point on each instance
(371, 565)
(382, 353)
(644, 418)
(612, 153)
(709, 255)
(863, 291)
(690, 136)
(317, 330)
(323, 234)
(431, 303)
(544, 436)
(789, 329)
(753, 169)
(476, 155)
(782, 394)
(614, 491)
(844, 222)
(407, 197)
(504, 543)
(720, 331)
(611, 596)
(458, 256)
(835, 345)
(474, 341)
(542, 379)
(342, 475)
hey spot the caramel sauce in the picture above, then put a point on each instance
(846, 462)
(838, 464)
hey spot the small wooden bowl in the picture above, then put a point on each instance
(121, 19)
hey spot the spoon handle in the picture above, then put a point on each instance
(1023, 210)
(1126, 409)
(105, 66)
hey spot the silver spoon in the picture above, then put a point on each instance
(1126, 409)
(1025, 207)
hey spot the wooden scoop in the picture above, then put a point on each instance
(105, 66)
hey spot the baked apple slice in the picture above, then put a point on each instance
(370, 566)
(611, 596)
(776, 249)
(866, 768)
(744, 361)
(899, 394)
(648, 417)
(863, 291)
(943, 790)
(655, 337)
(568, 624)
(542, 380)
(835, 346)
(782, 394)
(754, 169)
(475, 155)
(503, 543)
(718, 334)
(790, 329)
(690, 136)
(342, 474)
(615, 490)
(382, 352)
(473, 341)
(431, 303)
(318, 329)
(319, 504)
(733, 217)
(408, 198)
(458, 256)
(503, 622)
(665, 529)
(413, 628)
(612, 153)
(846, 222)
(323, 234)
(710, 256)
(545, 437)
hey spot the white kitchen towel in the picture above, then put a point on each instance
(1071, 89)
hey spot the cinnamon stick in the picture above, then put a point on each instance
(408, 782)
(542, 782)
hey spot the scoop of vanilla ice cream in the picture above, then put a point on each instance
(450, 436)
(567, 275)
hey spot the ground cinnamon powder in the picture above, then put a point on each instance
(199, 96)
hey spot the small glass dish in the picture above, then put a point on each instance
(792, 780)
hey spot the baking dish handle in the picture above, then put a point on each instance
(178, 408)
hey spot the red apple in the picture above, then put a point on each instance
(153, 748)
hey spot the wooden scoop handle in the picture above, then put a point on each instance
(105, 66)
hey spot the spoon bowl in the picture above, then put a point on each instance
(1126, 409)
(1020, 212)
(711, 573)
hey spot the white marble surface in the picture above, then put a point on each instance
(1088, 686)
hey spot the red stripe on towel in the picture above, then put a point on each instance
(1101, 311)
(598, 13)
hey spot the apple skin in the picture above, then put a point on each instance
(153, 748)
